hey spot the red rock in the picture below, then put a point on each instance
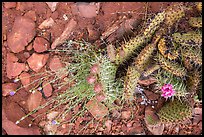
(11, 57)
(46, 23)
(7, 87)
(14, 69)
(52, 115)
(12, 129)
(37, 61)
(87, 10)
(126, 114)
(55, 64)
(147, 82)
(31, 14)
(52, 5)
(47, 89)
(97, 109)
(108, 124)
(9, 5)
(66, 33)
(25, 80)
(22, 33)
(40, 44)
(34, 100)
(129, 124)
(26, 54)
(93, 34)
(100, 97)
(151, 96)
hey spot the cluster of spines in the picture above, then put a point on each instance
(195, 22)
(171, 66)
(171, 54)
(107, 74)
(193, 81)
(143, 58)
(175, 111)
(189, 39)
(194, 55)
(130, 83)
(151, 70)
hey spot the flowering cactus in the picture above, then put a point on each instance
(167, 91)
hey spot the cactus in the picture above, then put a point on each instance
(194, 55)
(163, 77)
(196, 22)
(164, 49)
(127, 50)
(174, 13)
(171, 67)
(191, 38)
(175, 111)
(107, 73)
(130, 84)
(143, 58)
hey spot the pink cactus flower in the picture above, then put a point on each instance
(167, 91)
(91, 79)
(95, 69)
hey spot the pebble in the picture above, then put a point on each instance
(37, 61)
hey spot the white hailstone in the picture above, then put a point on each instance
(152, 106)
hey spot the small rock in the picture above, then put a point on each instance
(37, 61)
(52, 115)
(9, 5)
(11, 57)
(126, 114)
(87, 10)
(42, 123)
(108, 124)
(50, 128)
(40, 44)
(47, 89)
(97, 109)
(22, 33)
(66, 33)
(100, 97)
(25, 80)
(52, 5)
(12, 129)
(26, 54)
(13, 69)
(93, 34)
(151, 96)
(147, 82)
(31, 14)
(55, 64)
(153, 124)
(46, 24)
(129, 124)
(7, 88)
(34, 100)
